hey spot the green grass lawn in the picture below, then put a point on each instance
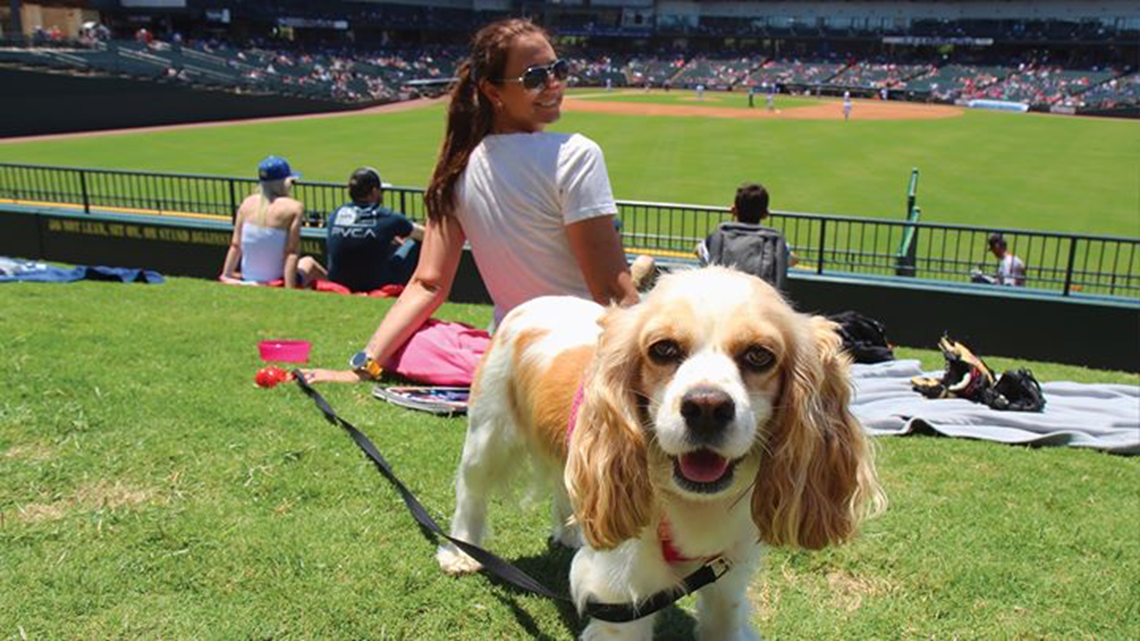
(1016, 170)
(148, 489)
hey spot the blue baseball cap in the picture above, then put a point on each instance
(275, 168)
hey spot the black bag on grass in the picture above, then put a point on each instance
(864, 338)
(968, 377)
(1018, 391)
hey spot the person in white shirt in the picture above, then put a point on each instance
(846, 105)
(536, 207)
(266, 242)
(1011, 269)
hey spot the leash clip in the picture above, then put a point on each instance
(720, 566)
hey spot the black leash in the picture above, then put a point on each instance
(612, 612)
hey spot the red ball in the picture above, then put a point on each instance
(270, 376)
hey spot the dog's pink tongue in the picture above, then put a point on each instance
(703, 466)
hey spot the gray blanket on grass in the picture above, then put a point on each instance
(1101, 416)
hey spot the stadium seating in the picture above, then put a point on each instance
(595, 71)
(875, 75)
(950, 81)
(654, 70)
(344, 73)
(796, 72)
(1041, 85)
(716, 72)
(1112, 94)
(347, 77)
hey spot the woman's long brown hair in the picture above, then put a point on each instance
(470, 115)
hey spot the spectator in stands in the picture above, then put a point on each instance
(745, 243)
(1010, 270)
(536, 207)
(368, 245)
(266, 242)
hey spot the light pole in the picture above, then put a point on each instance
(17, 23)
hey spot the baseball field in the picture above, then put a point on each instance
(1030, 171)
(149, 490)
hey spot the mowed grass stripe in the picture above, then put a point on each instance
(1009, 170)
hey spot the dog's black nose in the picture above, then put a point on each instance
(707, 411)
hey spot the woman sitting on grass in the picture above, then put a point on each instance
(536, 206)
(267, 234)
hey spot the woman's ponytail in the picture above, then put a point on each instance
(469, 114)
(469, 120)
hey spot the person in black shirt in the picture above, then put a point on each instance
(369, 245)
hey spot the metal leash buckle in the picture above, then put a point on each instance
(720, 566)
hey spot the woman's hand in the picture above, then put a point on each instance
(230, 280)
(332, 376)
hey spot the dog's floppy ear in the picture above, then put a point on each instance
(607, 473)
(817, 480)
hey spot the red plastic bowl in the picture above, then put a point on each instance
(284, 351)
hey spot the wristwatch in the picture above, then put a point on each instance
(362, 363)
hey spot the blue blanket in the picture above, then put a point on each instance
(17, 270)
(1101, 416)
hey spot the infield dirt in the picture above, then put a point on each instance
(831, 110)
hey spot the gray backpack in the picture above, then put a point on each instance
(753, 249)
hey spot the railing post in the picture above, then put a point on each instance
(907, 259)
(1069, 269)
(83, 189)
(403, 202)
(233, 202)
(822, 240)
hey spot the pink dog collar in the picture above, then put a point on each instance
(574, 407)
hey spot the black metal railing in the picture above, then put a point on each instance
(1068, 264)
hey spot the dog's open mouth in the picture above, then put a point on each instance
(703, 471)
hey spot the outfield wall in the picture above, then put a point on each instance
(993, 321)
(38, 103)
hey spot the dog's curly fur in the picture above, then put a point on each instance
(711, 410)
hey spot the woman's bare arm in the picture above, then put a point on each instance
(597, 247)
(424, 293)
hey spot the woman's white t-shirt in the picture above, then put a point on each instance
(514, 201)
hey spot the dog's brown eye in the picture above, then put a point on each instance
(757, 358)
(666, 351)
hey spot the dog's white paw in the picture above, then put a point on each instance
(454, 562)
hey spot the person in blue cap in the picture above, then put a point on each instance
(266, 243)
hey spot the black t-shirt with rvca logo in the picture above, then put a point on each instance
(359, 245)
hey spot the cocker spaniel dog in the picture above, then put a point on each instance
(708, 420)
